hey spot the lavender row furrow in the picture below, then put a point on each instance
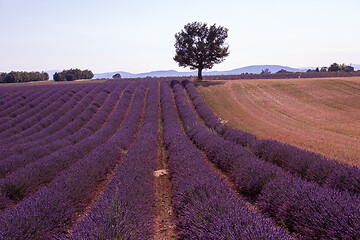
(107, 91)
(133, 116)
(50, 140)
(19, 107)
(57, 112)
(306, 208)
(102, 111)
(56, 141)
(308, 165)
(58, 205)
(125, 210)
(3, 97)
(78, 119)
(205, 205)
(14, 114)
(25, 181)
(311, 166)
(38, 112)
(62, 139)
(18, 98)
(26, 107)
(8, 98)
(52, 132)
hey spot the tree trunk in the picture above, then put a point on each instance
(200, 74)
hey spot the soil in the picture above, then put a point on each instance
(320, 115)
(165, 227)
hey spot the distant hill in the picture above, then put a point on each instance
(164, 73)
(173, 73)
(256, 69)
(356, 66)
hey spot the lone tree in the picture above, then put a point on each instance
(265, 71)
(117, 75)
(200, 46)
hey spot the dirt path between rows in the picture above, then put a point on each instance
(165, 227)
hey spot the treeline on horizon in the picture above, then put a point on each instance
(73, 74)
(65, 75)
(20, 76)
(335, 70)
(283, 75)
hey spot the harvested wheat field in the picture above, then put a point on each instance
(320, 115)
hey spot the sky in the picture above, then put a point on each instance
(138, 35)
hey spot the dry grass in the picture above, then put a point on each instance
(321, 115)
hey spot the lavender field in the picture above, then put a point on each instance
(77, 161)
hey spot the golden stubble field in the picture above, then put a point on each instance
(320, 115)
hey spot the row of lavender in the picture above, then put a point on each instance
(27, 112)
(308, 165)
(52, 210)
(205, 206)
(39, 145)
(56, 112)
(304, 207)
(14, 107)
(126, 208)
(18, 98)
(20, 122)
(62, 125)
(26, 173)
(36, 111)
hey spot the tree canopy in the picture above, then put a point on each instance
(282, 71)
(265, 71)
(340, 67)
(200, 47)
(17, 77)
(334, 67)
(73, 74)
(116, 75)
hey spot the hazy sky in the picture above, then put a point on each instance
(138, 35)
